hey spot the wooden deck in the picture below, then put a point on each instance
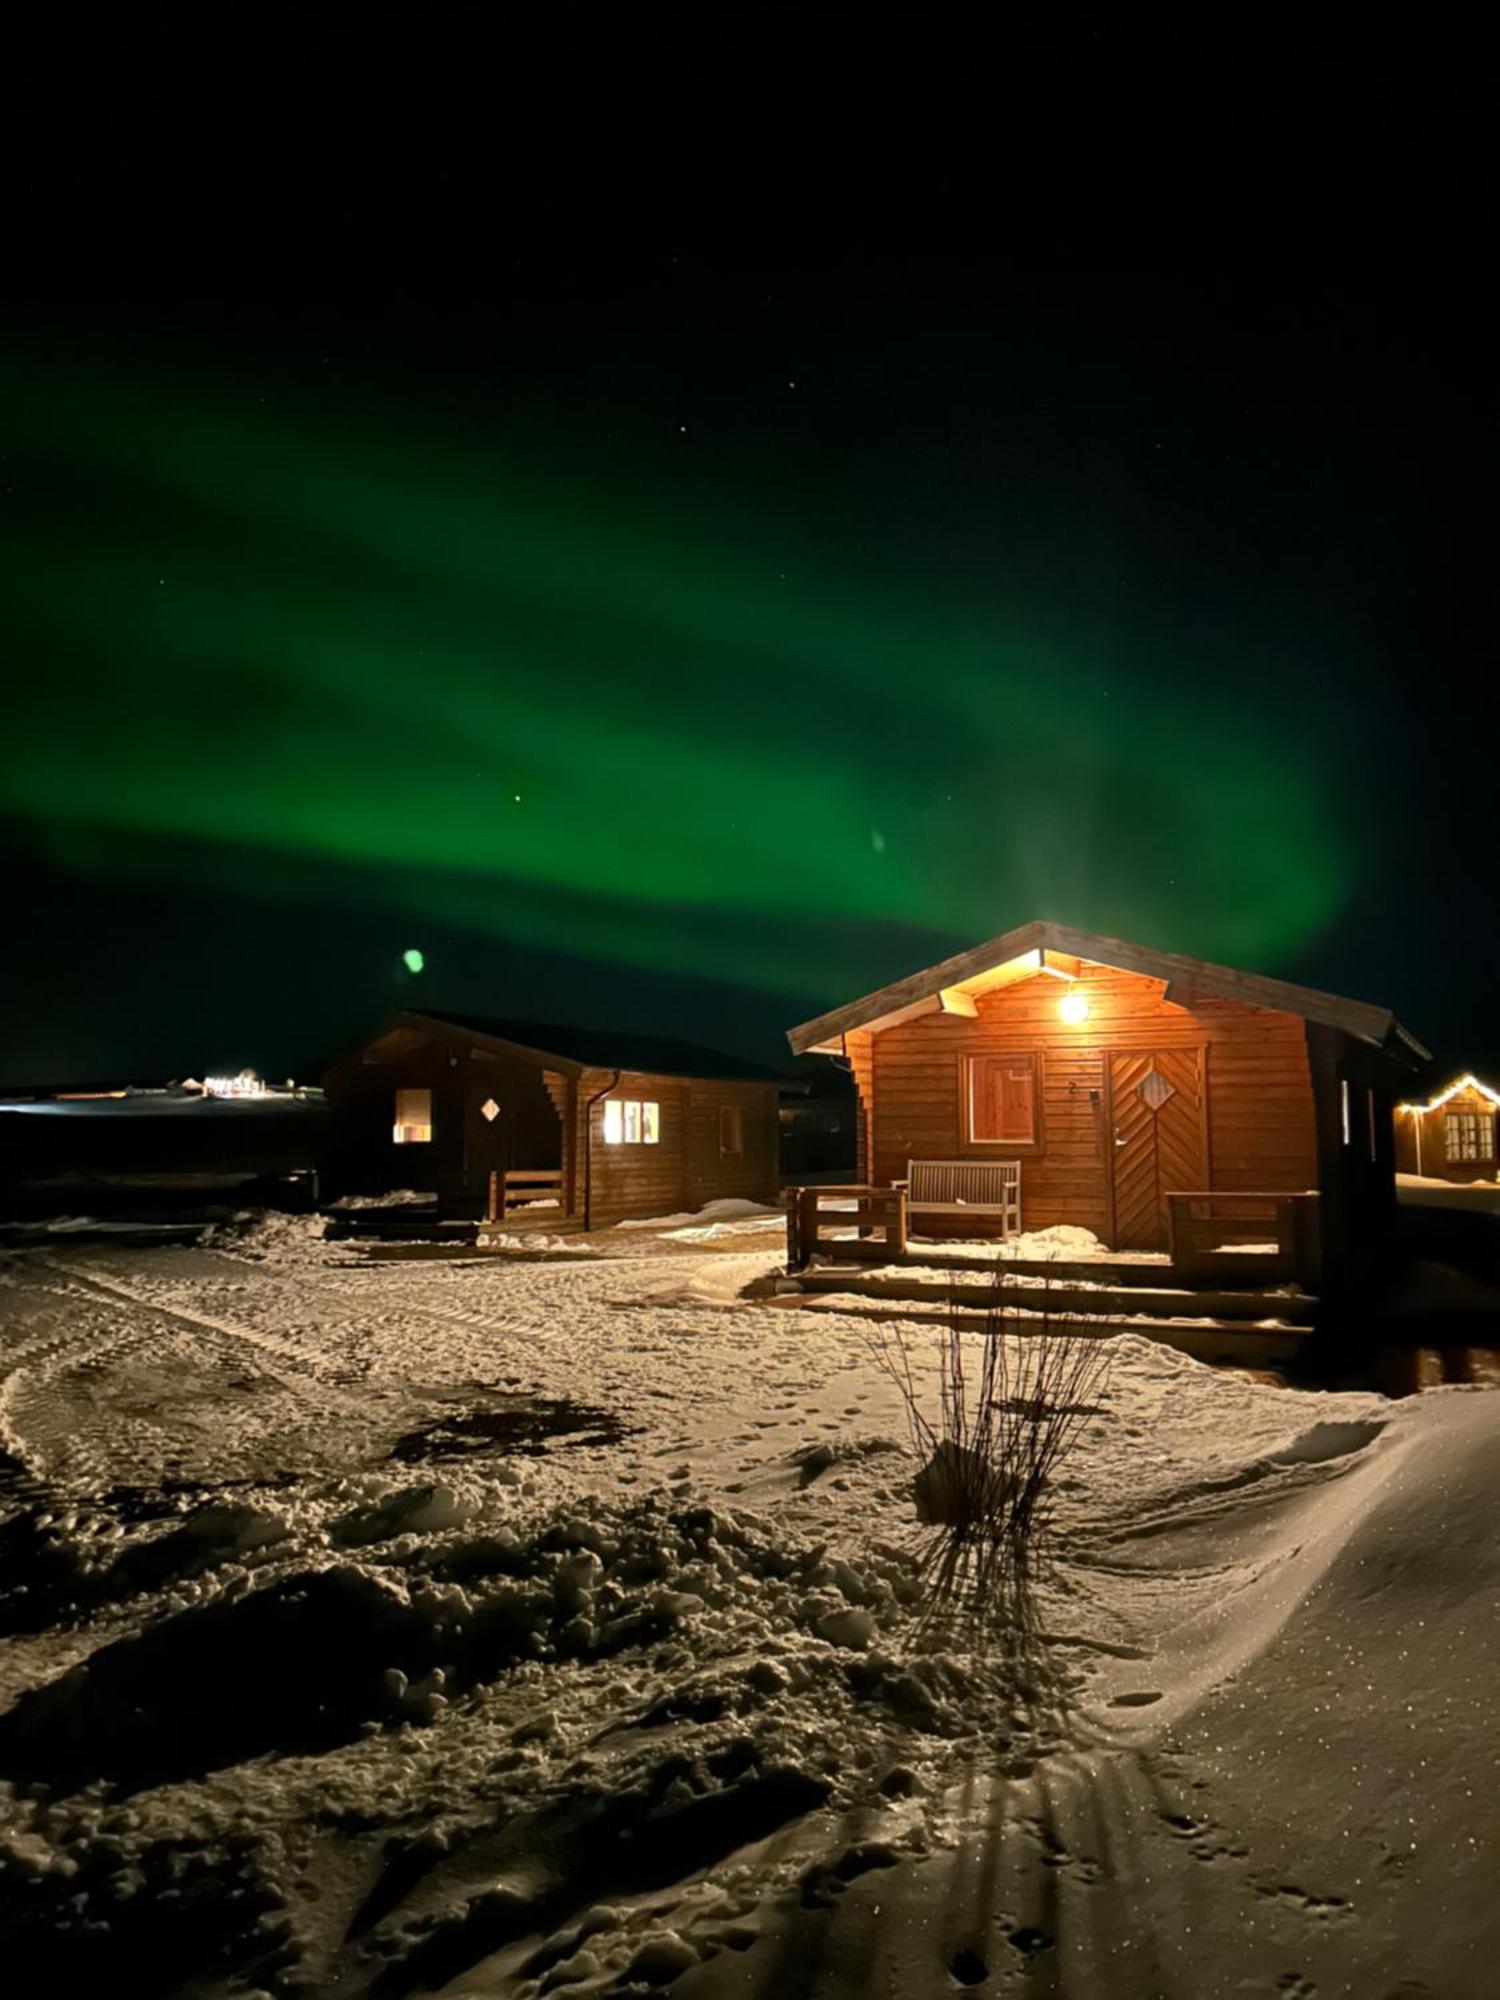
(1252, 1329)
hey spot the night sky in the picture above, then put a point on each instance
(680, 523)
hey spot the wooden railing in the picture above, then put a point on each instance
(517, 1186)
(878, 1215)
(1203, 1228)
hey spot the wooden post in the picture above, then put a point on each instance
(807, 1225)
(794, 1254)
(896, 1229)
(493, 1208)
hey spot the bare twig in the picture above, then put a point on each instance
(991, 1449)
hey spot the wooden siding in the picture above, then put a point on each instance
(548, 1119)
(455, 1162)
(1261, 1127)
(685, 1168)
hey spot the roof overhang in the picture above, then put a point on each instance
(1454, 1089)
(1046, 949)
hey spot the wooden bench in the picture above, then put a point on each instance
(983, 1189)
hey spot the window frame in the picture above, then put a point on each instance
(400, 1126)
(1035, 1061)
(1483, 1123)
(638, 1119)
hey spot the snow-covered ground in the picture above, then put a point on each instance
(1472, 1197)
(549, 1624)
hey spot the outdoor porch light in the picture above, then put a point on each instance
(1074, 1006)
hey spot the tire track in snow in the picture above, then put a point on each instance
(78, 1436)
(262, 1347)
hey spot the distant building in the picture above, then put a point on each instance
(95, 1140)
(1453, 1136)
(571, 1127)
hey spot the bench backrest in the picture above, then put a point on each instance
(977, 1182)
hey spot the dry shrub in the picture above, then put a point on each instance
(1012, 1401)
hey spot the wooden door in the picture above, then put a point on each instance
(1160, 1139)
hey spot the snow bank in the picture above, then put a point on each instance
(1419, 1191)
(712, 1219)
(396, 1198)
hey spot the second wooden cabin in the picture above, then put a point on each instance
(574, 1127)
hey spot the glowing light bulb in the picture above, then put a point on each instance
(413, 960)
(1074, 1006)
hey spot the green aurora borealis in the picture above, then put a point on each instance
(362, 665)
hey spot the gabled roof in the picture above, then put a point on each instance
(1033, 941)
(1455, 1089)
(599, 1048)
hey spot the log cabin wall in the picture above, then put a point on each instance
(455, 1162)
(687, 1166)
(715, 1172)
(1354, 1088)
(1260, 1125)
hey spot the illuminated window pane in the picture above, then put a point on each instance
(632, 1121)
(651, 1123)
(614, 1122)
(489, 1111)
(413, 1125)
(1469, 1135)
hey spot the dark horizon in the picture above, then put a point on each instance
(680, 534)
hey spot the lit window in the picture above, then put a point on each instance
(413, 1118)
(1468, 1136)
(489, 1111)
(731, 1128)
(628, 1121)
(1002, 1100)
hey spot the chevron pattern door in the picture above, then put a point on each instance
(1156, 1098)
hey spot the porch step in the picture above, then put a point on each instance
(988, 1287)
(1247, 1344)
(1254, 1272)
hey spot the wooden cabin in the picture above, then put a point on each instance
(1454, 1136)
(1102, 1081)
(574, 1127)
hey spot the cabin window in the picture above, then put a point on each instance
(631, 1121)
(413, 1118)
(731, 1128)
(1001, 1100)
(1468, 1136)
